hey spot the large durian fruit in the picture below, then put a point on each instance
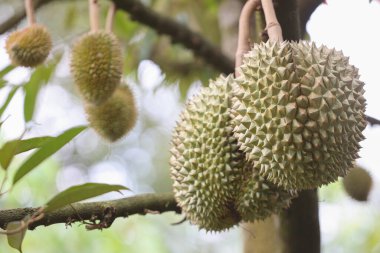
(358, 183)
(96, 65)
(298, 113)
(29, 47)
(213, 184)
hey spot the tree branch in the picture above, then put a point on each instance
(179, 33)
(372, 121)
(97, 211)
(19, 15)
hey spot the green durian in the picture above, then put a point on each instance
(116, 116)
(96, 65)
(298, 113)
(29, 47)
(358, 183)
(213, 184)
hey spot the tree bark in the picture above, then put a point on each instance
(102, 212)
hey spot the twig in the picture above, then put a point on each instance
(244, 31)
(372, 121)
(110, 17)
(30, 12)
(94, 15)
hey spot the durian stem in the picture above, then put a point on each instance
(94, 15)
(244, 31)
(110, 17)
(29, 8)
(272, 26)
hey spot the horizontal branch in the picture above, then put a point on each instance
(103, 211)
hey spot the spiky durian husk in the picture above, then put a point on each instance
(115, 117)
(298, 113)
(208, 169)
(96, 65)
(29, 47)
(358, 183)
(258, 198)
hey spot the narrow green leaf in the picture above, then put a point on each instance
(15, 240)
(7, 152)
(80, 192)
(8, 100)
(32, 143)
(47, 149)
(6, 70)
(39, 78)
(14, 147)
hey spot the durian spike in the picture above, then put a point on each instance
(30, 12)
(110, 17)
(244, 31)
(272, 26)
(94, 14)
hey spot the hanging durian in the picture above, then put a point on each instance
(96, 65)
(116, 116)
(298, 113)
(29, 47)
(213, 184)
(358, 183)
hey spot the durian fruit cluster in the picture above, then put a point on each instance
(243, 147)
(96, 65)
(29, 47)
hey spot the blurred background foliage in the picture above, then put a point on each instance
(162, 76)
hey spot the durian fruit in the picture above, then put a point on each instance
(116, 116)
(211, 176)
(358, 183)
(29, 47)
(96, 65)
(298, 113)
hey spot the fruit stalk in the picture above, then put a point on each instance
(272, 26)
(94, 15)
(244, 31)
(110, 17)
(30, 12)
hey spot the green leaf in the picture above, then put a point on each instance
(80, 192)
(14, 147)
(47, 149)
(8, 100)
(6, 70)
(15, 240)
(7, 152)
(39, 78)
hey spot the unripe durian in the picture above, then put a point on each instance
(116, 116)
(29, 47)
(96, 64)
(298, 113)
(213, 184)
(358, 183)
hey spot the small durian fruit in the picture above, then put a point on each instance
(29, 47)
(116, 116)
(212, 180)
(298, 113)
(358, 183)
(96, 65)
